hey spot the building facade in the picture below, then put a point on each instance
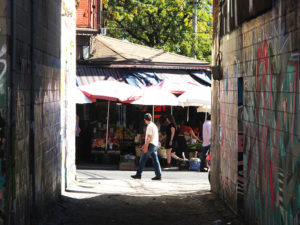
(256, 109)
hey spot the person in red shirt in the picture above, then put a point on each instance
(185, 129)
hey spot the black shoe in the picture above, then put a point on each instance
(156, 178)
(136, 177)
(203, 170)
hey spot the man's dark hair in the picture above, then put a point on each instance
(148, 117)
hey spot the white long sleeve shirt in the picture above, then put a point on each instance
(206, 131)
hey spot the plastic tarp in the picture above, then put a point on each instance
(138, 78)
(202, 77)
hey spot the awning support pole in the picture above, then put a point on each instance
(205, 115)
(153, 112)
(107, 122)
(188, 114)
(171, 110)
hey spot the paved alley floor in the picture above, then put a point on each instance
(111, 197)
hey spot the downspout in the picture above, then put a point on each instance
(32, 126)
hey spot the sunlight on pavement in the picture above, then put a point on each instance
(94, 183)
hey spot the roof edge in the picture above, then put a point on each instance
(144, 65)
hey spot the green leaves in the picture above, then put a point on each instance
(163, 24)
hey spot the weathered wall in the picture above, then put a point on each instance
(215, 117)
(68, 85)
(35, 159)
(270, 60)
(4, 66)
(264, 52)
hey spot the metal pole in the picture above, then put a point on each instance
(171, 110)
(195, 4)
(188, 114)
(107, 122)
(153, 112)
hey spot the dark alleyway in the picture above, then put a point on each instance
(111, 197)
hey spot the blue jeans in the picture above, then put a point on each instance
(152, 150)
(203, 156)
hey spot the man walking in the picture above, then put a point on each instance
(149, 148)
(206, 131)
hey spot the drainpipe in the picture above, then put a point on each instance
(32, 126)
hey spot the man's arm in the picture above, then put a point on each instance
(147, 141)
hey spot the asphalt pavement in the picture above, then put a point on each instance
(111, 197)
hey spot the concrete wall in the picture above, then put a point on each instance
(257, 156)
(68, 85)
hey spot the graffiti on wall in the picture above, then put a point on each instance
(229, 125)
(3, 71)
(271, 114)
(3, 68)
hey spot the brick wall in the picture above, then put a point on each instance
(88, 14)
(265, 53)
(35, 159)
(83, 14)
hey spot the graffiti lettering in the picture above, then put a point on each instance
(271, 154)
(2, 73)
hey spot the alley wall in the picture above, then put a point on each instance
(68, 88)
(33, 172)
(4, 67)
(256, 127)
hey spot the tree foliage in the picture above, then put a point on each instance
(163, 24)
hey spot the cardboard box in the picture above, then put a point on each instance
(127, 166)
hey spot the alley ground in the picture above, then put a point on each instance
(111, 197)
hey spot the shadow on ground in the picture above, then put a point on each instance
(201, 208)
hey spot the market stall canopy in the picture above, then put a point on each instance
(196, 97)
(122, 53)
(112, 91)
(137, 65)
(175, 87)
(204, 108)
(153, 96)
(79, 97)
(139, 78)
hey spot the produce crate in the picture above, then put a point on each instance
(127, 166)
(162, 153)
(138, 151)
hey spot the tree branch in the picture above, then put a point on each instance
(134, 34)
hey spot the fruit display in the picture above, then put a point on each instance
(129, 134)
(195, 146)
(98, 143)
(119, 133)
